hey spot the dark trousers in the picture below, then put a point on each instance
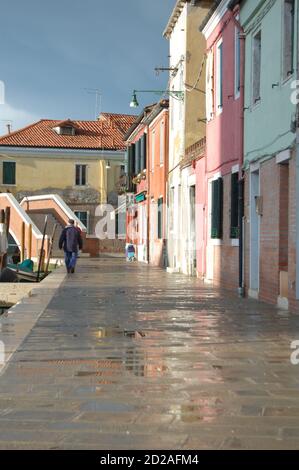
(70, 259)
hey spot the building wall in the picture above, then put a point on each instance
(268, 138)
(277, 241)
(195, 128)
(267, 123)
(53, 174)
(36, 174)
(157, 174)
(218, 259)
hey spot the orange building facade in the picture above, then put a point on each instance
(147, 169)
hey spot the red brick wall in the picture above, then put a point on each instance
(269, 232)
(277, 230)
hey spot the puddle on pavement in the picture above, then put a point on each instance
(106, 406)
(117, 332)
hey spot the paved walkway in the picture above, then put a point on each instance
(126, 356)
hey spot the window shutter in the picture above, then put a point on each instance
(143, 152)
(9, 173)
(234, 230)
(217, 209)
(83, 181)
(133, 149)
(137, 157)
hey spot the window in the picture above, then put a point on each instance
(81, 175)
(67, 130)
(237, 63)
(234, 211)
(256, 78)
(162, 142)
(9, 173)
(153, 149)
(83, 217)
(288, 38)
(217, 209)
(219, 72)
(160, 218)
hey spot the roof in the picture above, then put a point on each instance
(161, 106)
(175, 16)
(107, 133)
(144, 113)
(213, 8)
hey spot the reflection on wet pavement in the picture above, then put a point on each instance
(128, 356)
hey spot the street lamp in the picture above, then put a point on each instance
(179, 95)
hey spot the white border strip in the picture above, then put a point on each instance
(60, 202)
(24, 216)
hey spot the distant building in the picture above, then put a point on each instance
(81, 161)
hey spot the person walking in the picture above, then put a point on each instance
(71, 242)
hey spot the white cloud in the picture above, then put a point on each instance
(18, 117)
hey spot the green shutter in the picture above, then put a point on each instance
(217, 209)
(137, 157)
(143, 152)
(9, 173)
(234, 222)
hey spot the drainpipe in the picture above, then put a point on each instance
(241, 289)
(148, 198)
(241, 221)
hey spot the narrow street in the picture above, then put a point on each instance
(126, 356)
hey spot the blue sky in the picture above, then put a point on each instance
(51, 51)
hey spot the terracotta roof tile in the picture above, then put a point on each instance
(105, 134)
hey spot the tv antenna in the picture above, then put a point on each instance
(98, 100)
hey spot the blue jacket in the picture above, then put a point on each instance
(70, 239)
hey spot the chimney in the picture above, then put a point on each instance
(8, 128)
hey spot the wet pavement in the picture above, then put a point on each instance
(126, 356)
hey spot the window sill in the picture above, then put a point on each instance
(216, 241)
(234, 242)
(8, 184)
(256, 105)
(285, 81)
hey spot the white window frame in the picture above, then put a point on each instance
(285, 79)
(237, 61)
(256, 103)
(212, 241)
(86, 175)
(219, 108)
(76, 211)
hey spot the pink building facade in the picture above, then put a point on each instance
(219, 171)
